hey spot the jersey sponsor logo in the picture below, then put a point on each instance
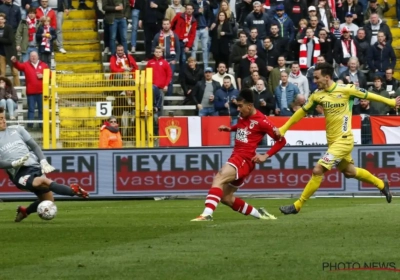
(241, 135)
(253, 123)
(22, 181)
(330, 105)
(363, 90)
(345, 123)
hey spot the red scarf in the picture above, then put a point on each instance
(161, 41)
(122, 62)
(31, 28)
(46, 41)
(267, 4)
(303, 52)
(132, 3)
(188, 21)
(349, 48)
(252, 59)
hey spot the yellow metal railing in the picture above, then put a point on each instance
(73, 107)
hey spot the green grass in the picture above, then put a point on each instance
(155, 240)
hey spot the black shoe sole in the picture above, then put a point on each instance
(288, 213)
(386, 191)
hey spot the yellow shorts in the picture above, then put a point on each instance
(338, 155)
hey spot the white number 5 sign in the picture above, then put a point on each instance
(103, 109)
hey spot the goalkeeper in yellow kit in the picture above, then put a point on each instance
(337, 101)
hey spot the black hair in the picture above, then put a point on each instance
(1, 110)
(325, 68)
(246, 95)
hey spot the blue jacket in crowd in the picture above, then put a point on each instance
(222, 96)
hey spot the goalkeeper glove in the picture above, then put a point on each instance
(46, 167)
(20, 162)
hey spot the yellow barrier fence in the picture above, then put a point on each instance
(76, 105)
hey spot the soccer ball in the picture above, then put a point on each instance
(47, 210)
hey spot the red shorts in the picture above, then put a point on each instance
(243, 168)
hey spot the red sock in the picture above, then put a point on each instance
(241, 206)
(213, 198)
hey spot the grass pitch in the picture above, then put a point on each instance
(155, 240)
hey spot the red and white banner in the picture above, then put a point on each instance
(312, 131)
(193, 131)
(385, 129)
(203, 131)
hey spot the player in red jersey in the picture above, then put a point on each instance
(251, 127)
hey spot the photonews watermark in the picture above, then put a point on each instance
(360, 265)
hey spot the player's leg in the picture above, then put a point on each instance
(72, 190)
(334, 155)
(23, 212)
(239, 205)
(350, 171)
(225, 175)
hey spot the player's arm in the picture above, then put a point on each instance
(13, 164)
(298, 115)
(364, 94)
(280, 142)
(227, 128)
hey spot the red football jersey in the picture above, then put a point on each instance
(250, 131)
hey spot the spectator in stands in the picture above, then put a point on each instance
(116, 12)
(275, 75)
(173, 9)
(374, 26)
(335, 30)
(169, 42)
(374, 8)
(294, 46)
(296, 10)
(7, 49)
(12, 12)
(251, 81)
(122, 62)
(221, 37)
(298, 102)
(381, 56)
(364, 107)
(192, 73)
(257, 19)
(315, 26)
(224, 7)
(264, 100)
(222, 73)
(161, 78)
(203, 94)
(253, 38)
(136, 5)
(8, 97)
(185, 26)
(25, 36)
(203, 14)
(345, 48)
(310, 73)
(239, 51)
(33, 70)
(62, 8)
(246, 6)
(110, 137)
(353, 28)
(353, 75)
(35, 4)
(378, 88)
(327, 43)
(310, 49)
(353, 7)
(45, 36)
(244, 67)
(286, 26)
(225, 103)
(45, 11)
(363, 48)
(299, 80)
(280, 43)
(391, 83)
(324, 13)
(285, 94)
(269, 53)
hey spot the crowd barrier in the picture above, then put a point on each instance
(185, 172)
(75, 106)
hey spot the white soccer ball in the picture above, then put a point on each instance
(47, 210)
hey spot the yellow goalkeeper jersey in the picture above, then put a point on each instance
(337, 102)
